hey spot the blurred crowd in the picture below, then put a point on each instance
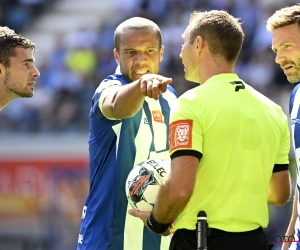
(16, 14)
(83, 58)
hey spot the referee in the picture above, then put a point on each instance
(229, 147)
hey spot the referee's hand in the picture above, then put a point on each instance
(144, 216)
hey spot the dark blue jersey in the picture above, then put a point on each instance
(115, 147)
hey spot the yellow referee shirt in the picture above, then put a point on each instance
(241, 135)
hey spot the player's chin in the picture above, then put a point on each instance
(135, 77)
(292, 78)
(28, 94)
(138, 76)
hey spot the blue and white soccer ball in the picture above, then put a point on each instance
(143, 183)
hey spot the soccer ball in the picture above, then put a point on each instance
(143, 182)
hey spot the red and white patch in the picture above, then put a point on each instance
(157, 116)
(181, 134)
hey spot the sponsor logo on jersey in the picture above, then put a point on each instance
(157, 116)
(294, 121)
(181, 134)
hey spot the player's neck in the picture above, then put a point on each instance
(214, 68)
(4, 99)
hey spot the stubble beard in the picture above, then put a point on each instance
(13, 88)
(294, 77)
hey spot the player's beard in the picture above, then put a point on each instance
(294, 77)
(15, 87)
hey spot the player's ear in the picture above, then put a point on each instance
(116, 55)
(161, 53)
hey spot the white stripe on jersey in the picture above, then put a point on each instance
(134, 241)
(117, 130)
(160, 139)
(294, 112)
(142, 149)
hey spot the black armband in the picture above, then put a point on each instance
(155, 226)
(280, 167)
(191, 152)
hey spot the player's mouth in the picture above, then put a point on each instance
(287, 68)
(31, 85)
(141, 72)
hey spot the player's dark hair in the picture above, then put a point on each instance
(223, 32)
(136, 23)
(9, 40)
(283, 17)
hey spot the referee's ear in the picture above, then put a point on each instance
(1, 70)
(2, 73)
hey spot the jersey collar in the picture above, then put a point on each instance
(223, 77)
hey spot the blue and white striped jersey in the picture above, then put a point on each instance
(295, 130)
(115, 147)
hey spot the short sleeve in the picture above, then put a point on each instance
(186, 131)
(104, 89)
(283, 152)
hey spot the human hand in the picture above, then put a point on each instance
(154, 85)
(144, 216)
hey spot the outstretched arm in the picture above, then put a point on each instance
(126, 101)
